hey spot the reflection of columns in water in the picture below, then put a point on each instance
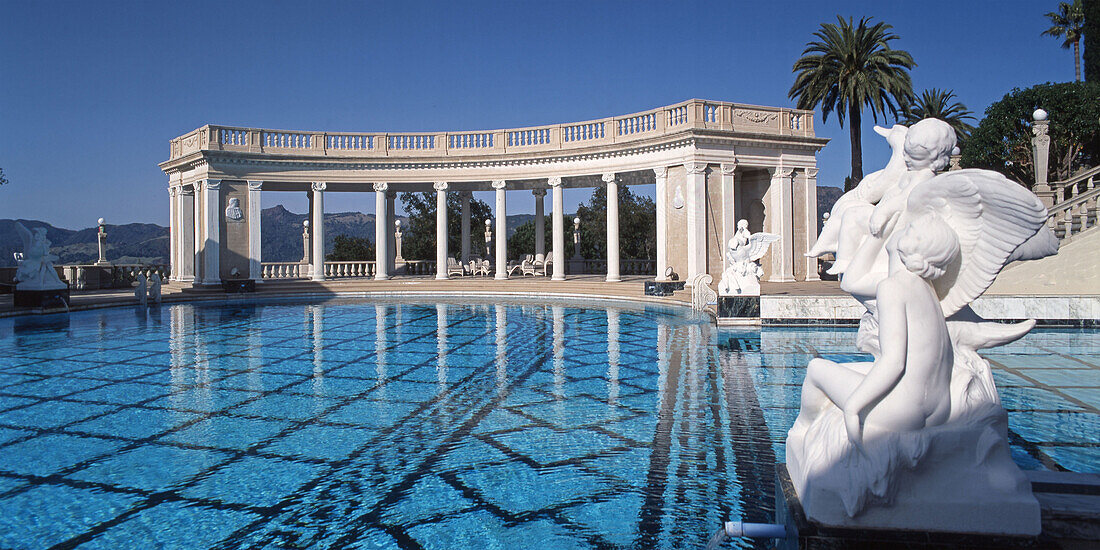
(381, 344)
(177, 343)
(255, 355)
(441, 345)
(612, 356)
(559, 351)
(502, 346)
(663, 354)
(318, 314)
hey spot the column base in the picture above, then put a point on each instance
(441, 277)
(501, 277)
(318, 279)
(381, 278)
(613, 280)
(557, 278)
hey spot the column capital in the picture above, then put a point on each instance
(695, 167)
(173, 191)
(187, 189)
(811, 173)
(554, 181)
(779, 172)
(539, 192)
(381, 187)
(728, 168)
(499, 184)
(440, 186)
(212, 185)
(255, 185)
(319, 186)
(660, 172)
(608, 177)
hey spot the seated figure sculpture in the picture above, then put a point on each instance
(36, 272)
(742, 277)
(917, 439)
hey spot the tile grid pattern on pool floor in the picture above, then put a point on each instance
(1049, 383)
(272, 434)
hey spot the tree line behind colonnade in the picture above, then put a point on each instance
(637, 229)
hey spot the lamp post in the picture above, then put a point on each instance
(1040, 150)
(488, 237)
(397, 242)
(305, 241)
(576, 238)
(102, 234)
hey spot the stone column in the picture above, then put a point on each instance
(200, 237)
(1040, 153)
(540, 224)
(381, 228)
(211, 191)
(661, 198)
(811, 221)
(255, 270)
(309, 245)
(391, 239)
(781, 224)
(319, 230)
(440, 229)
(173, 236)
(465, 196)
(696, 204)
(729, 207)
(612, 227)
(502, 231)
(558, 223)
(186, 234)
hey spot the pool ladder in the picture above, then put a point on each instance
(737, 529)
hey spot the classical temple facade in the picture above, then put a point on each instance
(712, 163)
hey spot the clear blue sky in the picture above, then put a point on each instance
(92, 92)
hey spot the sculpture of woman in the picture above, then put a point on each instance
(742, 277)
(36, 272)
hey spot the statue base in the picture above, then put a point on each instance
(739, 307)
(58, 297)
(815, 536)
(662, 288)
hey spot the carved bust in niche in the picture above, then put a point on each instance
(233, 211)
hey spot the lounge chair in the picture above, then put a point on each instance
(529, 266)
(478, 266)
(454, 268)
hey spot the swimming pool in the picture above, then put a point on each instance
(434, 425)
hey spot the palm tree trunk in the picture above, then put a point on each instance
(854, 128)
(1077, 59)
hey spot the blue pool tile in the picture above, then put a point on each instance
(430, 496)
(119, 371)
(1064, 377)
(1088, 396)
(203, 399)
(51, 414)
(150, 467)
(519, 488)
(254, 481)
(259, 381)
(1032, 398)
(135, 422)
(1067, 427)
(53, 387)
(322, 442)
(47, 454)
(372, 413)
(628, 467)
(227, 432)
(285, 406)
(613, 518)
(547, 446)
(1075, 459)
(481, 530)
(51, 514)
(123, 393)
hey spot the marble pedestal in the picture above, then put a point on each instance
(662, 288)
(739, 309)
(239, 286)
(58, 297)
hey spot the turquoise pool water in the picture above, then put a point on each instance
(436, 425)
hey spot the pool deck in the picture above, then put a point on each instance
(816, 302)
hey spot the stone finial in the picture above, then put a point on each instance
(1039, 115)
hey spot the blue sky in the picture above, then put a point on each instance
(92, 92)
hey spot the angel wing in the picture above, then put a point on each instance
(759, 243)
(996, 221)
(24, 235)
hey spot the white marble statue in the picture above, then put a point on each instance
(154, 288)
(742, 276)
(917, 439)
(233, 210)
(141, 291)
(36, 271)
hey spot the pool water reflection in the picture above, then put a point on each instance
(434, 425)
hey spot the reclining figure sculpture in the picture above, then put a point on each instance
(917, 439)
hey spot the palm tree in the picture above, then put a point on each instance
(1069, 21)
(849, 67)
(936, 103)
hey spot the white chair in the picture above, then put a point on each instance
(454, 268)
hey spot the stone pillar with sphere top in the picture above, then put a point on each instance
(397, 236)
(102, 237)
(1040, 150)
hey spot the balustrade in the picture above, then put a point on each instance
(538, 136)
(415, 141)
(637, 124)
(677, 115)
(352, 142)
(419, 267)
(583, 132)
(339, 270)
(1075, 203)
(283, 270)
(232, 136)
(710, 113)
(286, 140)
(470, 141)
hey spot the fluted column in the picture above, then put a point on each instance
(612, 227)
(558, 223)
(781, 224)
(501, 231)
(696, 204)
(212, 213)
(381, 229)
(173, 235)
(319, 230)
(185, 237)
(440, 229)
(465, 195)
(255, 270)
(729, 207)
(199, 238)
(540, 223)
(391, 239)
(811, 221)
(661, 195)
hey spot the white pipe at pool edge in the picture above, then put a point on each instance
(737, 529)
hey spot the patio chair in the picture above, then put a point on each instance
(530, 266)
(478, 266)
(454, 268)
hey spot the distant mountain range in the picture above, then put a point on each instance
(140, 243)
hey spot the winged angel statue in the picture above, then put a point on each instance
(742, 277)
(36, 272)
(918, 438)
